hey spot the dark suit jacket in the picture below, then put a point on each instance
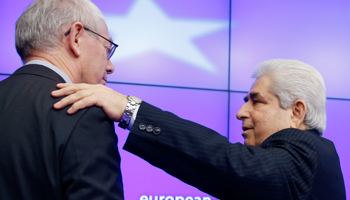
(291, 164)
(48, 154)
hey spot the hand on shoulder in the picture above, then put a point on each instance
(82, 95)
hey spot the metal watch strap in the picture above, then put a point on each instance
(129, 111)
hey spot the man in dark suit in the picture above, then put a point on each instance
(283, 119)
(46, 153)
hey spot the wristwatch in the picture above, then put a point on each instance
(133, 103)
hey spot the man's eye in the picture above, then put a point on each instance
(256, 101)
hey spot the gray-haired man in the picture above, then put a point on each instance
(46, 153)
(283, 119)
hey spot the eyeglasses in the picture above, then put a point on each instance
(110, 51)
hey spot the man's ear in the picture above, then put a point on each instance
(299, 109)
(74, 38)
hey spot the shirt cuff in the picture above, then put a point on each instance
(133, 118)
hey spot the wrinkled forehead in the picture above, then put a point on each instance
(261, 84)
(260, 88)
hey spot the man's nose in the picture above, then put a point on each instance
(243, 112)
(110, 67)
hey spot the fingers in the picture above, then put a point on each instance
(81, 104)
(64, 90)
(63, 85)
(79, 99)
(69, 88)
(85, 95)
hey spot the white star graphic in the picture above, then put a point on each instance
(147, 28)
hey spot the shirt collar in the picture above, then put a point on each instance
(52, 67)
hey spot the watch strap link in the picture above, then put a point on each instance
(133, 103)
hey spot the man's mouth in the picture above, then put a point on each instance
(244, 128)
(104, 80)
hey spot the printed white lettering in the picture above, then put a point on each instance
(145, 197)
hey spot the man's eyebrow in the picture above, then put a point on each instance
(251, 96)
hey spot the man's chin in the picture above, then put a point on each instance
(248, 142)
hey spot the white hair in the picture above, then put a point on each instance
(292, 80)
(40, 28)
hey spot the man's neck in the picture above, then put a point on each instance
(60, 62)
(52, 67)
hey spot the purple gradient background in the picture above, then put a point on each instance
(169, 71)
(2, 77)
(316, 32)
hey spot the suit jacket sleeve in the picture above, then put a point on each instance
(91, 162)
(203, 158)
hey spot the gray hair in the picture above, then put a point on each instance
(40, 27)
(292, 80)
